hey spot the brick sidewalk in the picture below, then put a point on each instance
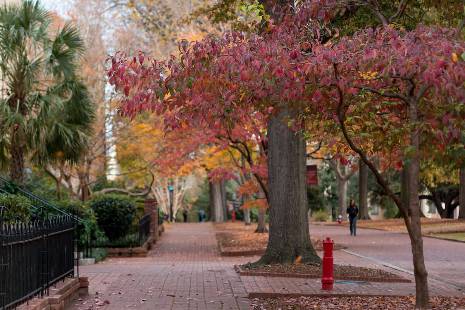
(184, 271)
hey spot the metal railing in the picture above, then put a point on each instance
(45, 208)
(144, 228)
(137, 236)
(33, 257)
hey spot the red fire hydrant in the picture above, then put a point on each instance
(327, 277)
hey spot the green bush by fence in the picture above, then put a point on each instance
(15, 208)
(114, 214)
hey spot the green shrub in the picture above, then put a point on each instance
(15, 208)
(88, 229)
(320, 216)
(114, 214)
(130, 240)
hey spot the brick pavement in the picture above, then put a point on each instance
(183, 271)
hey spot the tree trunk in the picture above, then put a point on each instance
(363, 191)
(247, 216)
(210, 200)
(342, 195)
(289, 237)
(223, 200)
(17, 160)
(58, 187)
(261, 228)
(462, 194)
(216, 203)
(84, 186)
(404, 184)
(421, 275)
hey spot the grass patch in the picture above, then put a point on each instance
(459, 236)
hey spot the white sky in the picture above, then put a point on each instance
(57, 5)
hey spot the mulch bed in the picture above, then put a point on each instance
(355, 302)
(241, 240)
(341, 272)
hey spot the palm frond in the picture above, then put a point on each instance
(66, 49)
(43, 96)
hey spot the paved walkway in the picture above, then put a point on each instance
(184, 271)
(444, 259)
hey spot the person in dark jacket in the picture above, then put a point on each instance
(352, 211)
(184, 215)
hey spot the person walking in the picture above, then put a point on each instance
(184, 215)
(201, 215)
(352, 211)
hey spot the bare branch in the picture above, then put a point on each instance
(400, 11)
(128, 192)
(386, 94)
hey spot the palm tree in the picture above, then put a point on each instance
(45, 111)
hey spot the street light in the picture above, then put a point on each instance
(170, 190)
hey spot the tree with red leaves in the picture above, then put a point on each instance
(291, 73)
(408, 88)
(219, 83)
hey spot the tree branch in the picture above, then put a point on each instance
(400, 11)
(128, 192)
(385, 94)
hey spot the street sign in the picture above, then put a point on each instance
(312, 175)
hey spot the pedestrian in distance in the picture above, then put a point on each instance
(352, 212)
(184, 215)
(201, 215)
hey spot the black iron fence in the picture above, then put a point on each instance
(144, 228)
(33, 257)
(137, 236)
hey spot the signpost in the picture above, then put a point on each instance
(312, 175)
(170, 190)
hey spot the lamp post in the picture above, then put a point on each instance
(170, 190)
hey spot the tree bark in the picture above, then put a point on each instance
(462, 194)
(289, 237)
(363, 190)
(404, 185)
(342, 195)
(342, 179)
(413, 173)
(247, 216)
(216, 203)
(84, 186)
(223, 200)
(17, 159)
(261, 227)
(210, 197)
